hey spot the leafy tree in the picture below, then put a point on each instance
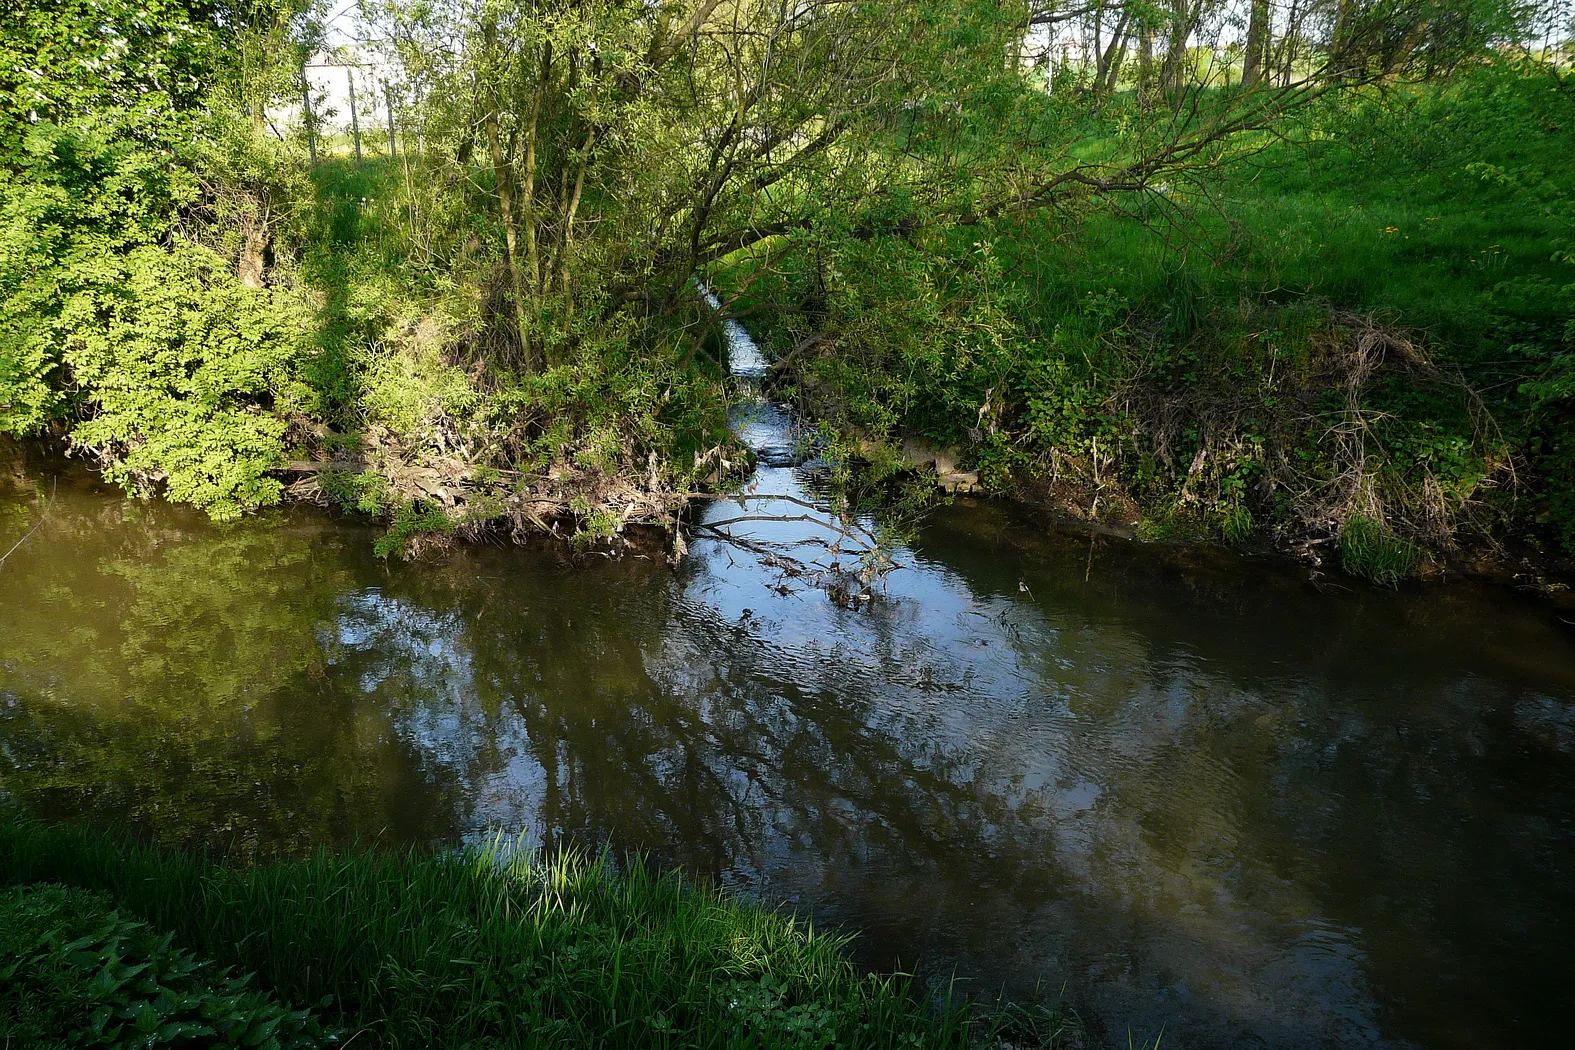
(127, 204)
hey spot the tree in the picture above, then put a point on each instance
(1255, 56)
(136, 203)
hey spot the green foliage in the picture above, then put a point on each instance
(364, 493)
(119, 308)
(501, 948)
(1451, 208)
(1219, 386)
(412, 521)
(189, 377)
(1369, 548)
(75, 972)
(513, 295)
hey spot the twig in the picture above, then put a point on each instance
(36, 525)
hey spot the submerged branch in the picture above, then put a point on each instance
(36, 525)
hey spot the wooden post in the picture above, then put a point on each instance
(355, 123)
(388, 97)
(311, 120)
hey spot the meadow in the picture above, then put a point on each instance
(1350, 338)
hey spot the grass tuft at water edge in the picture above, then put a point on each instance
(501, 947)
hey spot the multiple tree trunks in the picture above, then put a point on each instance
(1272, 42)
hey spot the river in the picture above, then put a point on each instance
(1207, 797)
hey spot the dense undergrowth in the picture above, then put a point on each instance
(194, 306)
(1359, 338)
(1332, 312)
(78, 971)
(489, 947)
(437, 429)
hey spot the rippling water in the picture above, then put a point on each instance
(1198, 792)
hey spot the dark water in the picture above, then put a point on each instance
(1197, 791)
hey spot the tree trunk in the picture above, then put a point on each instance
(1182, 17)
(504, 190)
(1115, 55)
(1146, 60)
(565, 254)
(1252, 64)
(528, 192)
(308, 117)
(1097, 25)
(1293, 28)
(1340, 57)
(355, 122)
(388, 97)
(253, 266)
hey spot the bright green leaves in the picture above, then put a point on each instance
(112, 316)
(183, 368)
(27, 397)
(174, 365)
(139, 64)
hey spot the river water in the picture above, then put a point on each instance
(1207, 797)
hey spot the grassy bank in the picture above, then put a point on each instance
(489, 948)
(1354, 342)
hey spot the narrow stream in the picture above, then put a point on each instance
(1203, 795)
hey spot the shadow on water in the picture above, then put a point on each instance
(1196, 791)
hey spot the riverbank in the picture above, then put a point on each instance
(1355, 348)
(490, 946)
(1133, 768)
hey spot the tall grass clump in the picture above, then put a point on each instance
(1369, 549)
(499, 947)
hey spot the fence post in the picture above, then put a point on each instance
(355, 123)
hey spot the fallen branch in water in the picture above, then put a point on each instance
(846, 527)
(36, 525)
(845, 586)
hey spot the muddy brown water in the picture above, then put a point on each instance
(1206, 797)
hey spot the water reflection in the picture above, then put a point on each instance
(1199, 793)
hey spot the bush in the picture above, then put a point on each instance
(127, 190)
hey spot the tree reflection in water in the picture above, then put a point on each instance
(1200, 793)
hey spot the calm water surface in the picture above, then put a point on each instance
(1200, 793)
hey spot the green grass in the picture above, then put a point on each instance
(1368, 549)
(495, 947)
(1207, 363)
(1441, 207)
